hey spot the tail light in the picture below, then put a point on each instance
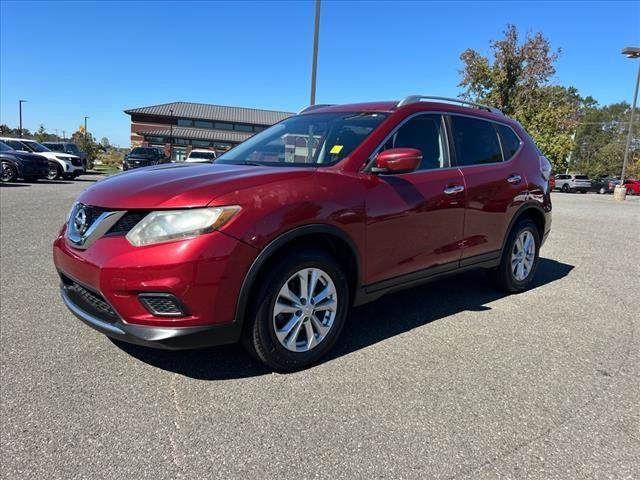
(545, 167)
(610, 184)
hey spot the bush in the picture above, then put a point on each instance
(113, 157)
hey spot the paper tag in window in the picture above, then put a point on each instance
(336, 149)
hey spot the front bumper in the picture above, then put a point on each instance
(172, 338)
(204, 274)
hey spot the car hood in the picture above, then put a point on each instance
(141, 156)
(57, 155)
(181, 185)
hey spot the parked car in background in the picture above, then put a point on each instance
(144, 157)
(572, 183)
(273, 243)
(632, 186)
(201, 156)
(70, 148)
(604, 185)
(552, 183)
(61, 165)
(15, 165)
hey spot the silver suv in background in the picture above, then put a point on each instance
(573, 183)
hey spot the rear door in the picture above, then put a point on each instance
(490, 157)
(414, 220)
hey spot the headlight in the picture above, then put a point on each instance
(166, 225)
(64, 159)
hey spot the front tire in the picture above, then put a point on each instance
(519, 259)
(298, 310)
(7, 173)
(55, 171)
(565, 188)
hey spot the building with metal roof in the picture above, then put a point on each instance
(179, 126)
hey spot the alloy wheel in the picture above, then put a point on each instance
(7, 174)
(523, 255)
(52, 173)
(305, 310)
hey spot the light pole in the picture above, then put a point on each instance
(314, 65)
(85, 127)
(620, 191)
(20, 102)
(171, 135)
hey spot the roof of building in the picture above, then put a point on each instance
(199, 134)
(213, 112)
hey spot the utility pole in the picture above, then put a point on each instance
(314, 65)
(64, 135)
(85, 127)
(20, 102)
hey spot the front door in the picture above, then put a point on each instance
(415, 220)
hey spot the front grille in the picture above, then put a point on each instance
(76, 162)
(122, 226)
(162, 304)
(93, 213)
(89, 301)
(126, 223)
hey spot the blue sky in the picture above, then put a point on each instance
(71, 59)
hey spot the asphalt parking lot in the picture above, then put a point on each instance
(448, 380)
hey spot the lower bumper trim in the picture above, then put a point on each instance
(166, 338)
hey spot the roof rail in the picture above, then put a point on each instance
(316, 106)
(419, 98)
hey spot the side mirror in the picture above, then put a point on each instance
(398, 160)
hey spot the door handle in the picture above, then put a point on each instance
(453, 190)
(515, 179)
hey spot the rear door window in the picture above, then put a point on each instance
(475, 141)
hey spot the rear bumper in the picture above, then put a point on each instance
(166, 338)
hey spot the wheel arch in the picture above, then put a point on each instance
(328, 237)
(529, 210)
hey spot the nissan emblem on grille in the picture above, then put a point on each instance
(80, 220)
(87, 223)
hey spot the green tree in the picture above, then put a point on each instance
(86, 143)
(41, 134)
(517, 80)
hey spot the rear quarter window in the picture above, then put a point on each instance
(510, 141)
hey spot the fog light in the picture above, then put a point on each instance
(163, 304)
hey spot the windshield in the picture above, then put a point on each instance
(18, 145)
(143, 151)
(5, 148)
(306, 140)
(72, 147)
(205, 155)
(36, 147)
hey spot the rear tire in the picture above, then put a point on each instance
(7, 173)
(602, 191)
(519, 258)
(583, 191)
(290, 326)
(565, 188)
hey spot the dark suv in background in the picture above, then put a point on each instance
(144, 157)
(274, 242)
(28, 166)
(71, 149)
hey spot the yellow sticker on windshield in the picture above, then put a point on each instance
(336, 149)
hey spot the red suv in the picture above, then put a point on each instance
(330, 208)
